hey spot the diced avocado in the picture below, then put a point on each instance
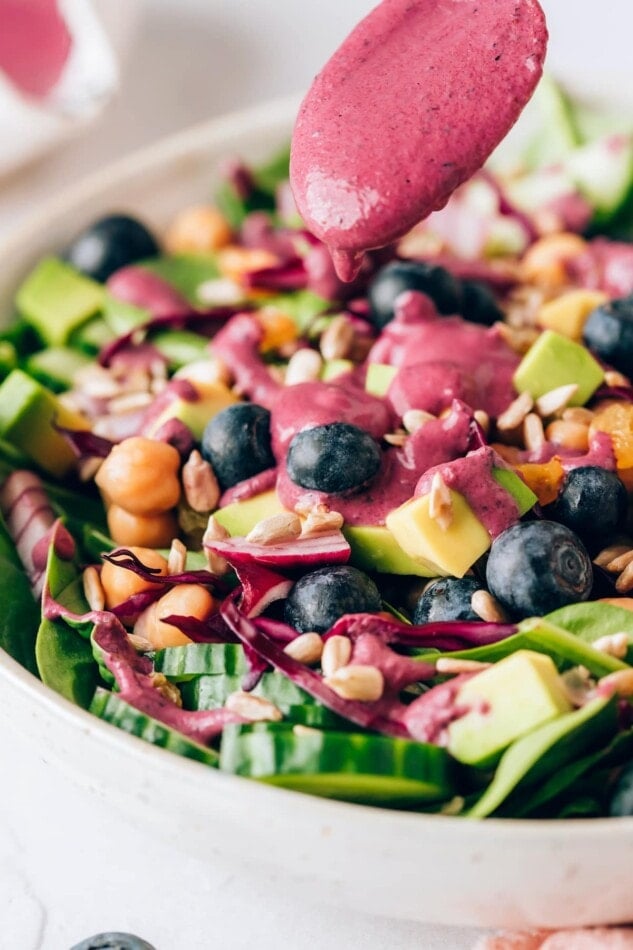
(567, 314)
(92, 336)
(302, 306)
(56, 366)
(514, 484)
(379, 377)
(374, 548)
(194, 413)
(28, 414)
(555, 360)
(122, 316)
(516, 695)
(8, 358)
(603, 172)
(451, 550)
(56, 300)
(241, 516)
(558, 135)
(333, 368)
(181, 347)
(185, 272)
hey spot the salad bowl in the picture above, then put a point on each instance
(436, 869)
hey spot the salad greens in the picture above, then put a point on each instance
(342, 641)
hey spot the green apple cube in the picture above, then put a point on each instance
(555, 360)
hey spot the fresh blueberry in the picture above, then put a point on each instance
(113, 941)
(593, 503)
(109, 244)
(621, 805)
(447, 599)
(393, 279)
(479, 304)
(608, 333)
(535, 567)
(321, 597)
(236, 442)
(333, 458)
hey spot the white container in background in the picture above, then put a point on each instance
(59, 66)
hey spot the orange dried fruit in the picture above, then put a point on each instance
(544, 478)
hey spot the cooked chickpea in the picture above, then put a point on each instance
(119, 583)
(184, 600)
(571, 435)
(155, 531)
(198, 230)
(141, 476)
(545, 262)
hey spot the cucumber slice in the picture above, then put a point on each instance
(318, 717)
(211, 692)
(180, 664)
(113, 709)
(349, 766)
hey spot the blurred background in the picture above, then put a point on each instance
(151, 67)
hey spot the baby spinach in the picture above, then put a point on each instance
(594, 619)
(64, 656)
(565, 649)
(546, 750)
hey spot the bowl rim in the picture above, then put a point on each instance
(149, 158)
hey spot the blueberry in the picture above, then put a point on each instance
(535, 567)
(621, 805)
(393, 279)
(608, 333)
(236, 442)
(113, 941)
(593, 503)
(108, 244)
(447, 599)
(479, 304)
(333, 458)
(321, 597)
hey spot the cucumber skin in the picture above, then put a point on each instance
(211, 692)
(348, 766)
(180, 664)
(111, 708)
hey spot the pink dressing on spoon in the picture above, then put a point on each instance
(408, 108)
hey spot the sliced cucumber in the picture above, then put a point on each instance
(198, 659)
(113, 709)
(181, 347)
(56, 299)
(211, 692)
(349, 766)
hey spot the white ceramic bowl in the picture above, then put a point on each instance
(426, 868)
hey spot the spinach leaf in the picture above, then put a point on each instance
(19, 613)
(546, 749)
(64, 658)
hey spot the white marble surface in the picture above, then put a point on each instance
(60, 877)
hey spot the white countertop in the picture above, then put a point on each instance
(196, 58)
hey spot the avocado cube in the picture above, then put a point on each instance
(194, 413)
(374, 548)
(517, 694)
(514, 484)
(241, 516)
(333, 368)
(555, 360)
(55, 299)
(450, 550)
(28, 415)
(379, 377)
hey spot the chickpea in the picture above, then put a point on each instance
(141, 476)
(155, 531)
(198, 230)
(545, 262)
(119, 583)
(184, 600)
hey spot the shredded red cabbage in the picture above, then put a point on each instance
(444, 636)
(330, 548)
